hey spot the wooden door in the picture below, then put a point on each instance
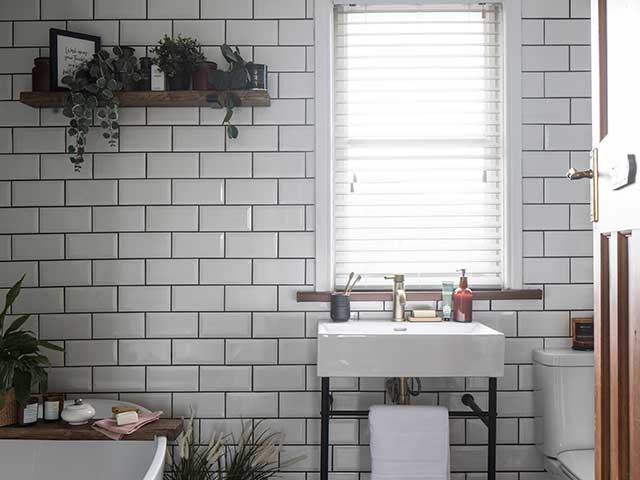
(616, 140)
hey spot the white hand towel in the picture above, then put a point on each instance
(409, 442)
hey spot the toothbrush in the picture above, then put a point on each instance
(346, 287)
(350, 289)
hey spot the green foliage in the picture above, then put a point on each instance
(231, 100)
(126, 62)
(255, 455)
(92, 90)
(21, 362)
(236, 77)
(181, 54)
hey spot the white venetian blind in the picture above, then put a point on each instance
(418, 138)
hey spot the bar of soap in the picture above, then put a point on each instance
(123, 408)
(126, 418)
(425, 319)
(424, 313)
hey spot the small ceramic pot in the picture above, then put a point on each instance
(180, 81)
(257, 76)
(340, 307)
(78, 413)
(201, 75)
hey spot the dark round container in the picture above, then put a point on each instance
(340, 307)
(180, 81)
(201, 75)
(145, 71)
(257, 76)
(41, 75)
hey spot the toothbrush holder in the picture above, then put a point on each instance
(340, 307)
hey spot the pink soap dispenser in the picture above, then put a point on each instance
(462, 300)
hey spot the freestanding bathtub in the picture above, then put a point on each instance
(83, 460)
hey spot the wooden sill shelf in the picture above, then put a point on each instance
(62, 431)
(422, 295)
(180, 98)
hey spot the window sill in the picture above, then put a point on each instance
(422, 295)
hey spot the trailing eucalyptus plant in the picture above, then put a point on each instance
(21, 362)
(92, 90)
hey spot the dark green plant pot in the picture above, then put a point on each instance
(219, 80)
(181, 81)
(239, 79)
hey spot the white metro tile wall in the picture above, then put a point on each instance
(168, 266)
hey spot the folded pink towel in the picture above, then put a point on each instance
(110, 428)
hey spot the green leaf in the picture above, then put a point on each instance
(117, 51)
(77, 110)
(92, 103)
(71, 149)
(73, 132)
(232, 131)
(101, 82)
(102, 113)
(17, 323)
(92, 88)
(115, 125)
(106, 135)
(22, 382)
(113, 115)
(112, 84)
(11, 296)
(50, 346)
(106, 93)
(104, 55)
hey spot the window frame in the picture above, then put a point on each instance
(324, 137)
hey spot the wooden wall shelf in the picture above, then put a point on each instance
(63, 431)
(422, 295)
(180, 98)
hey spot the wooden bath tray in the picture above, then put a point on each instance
(62, 431)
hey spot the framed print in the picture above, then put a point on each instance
(68, 51)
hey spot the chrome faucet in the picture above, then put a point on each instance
(399, 296)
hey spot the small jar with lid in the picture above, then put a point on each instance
(41, 75)
(53, 403)
(28, 412)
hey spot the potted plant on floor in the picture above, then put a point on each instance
(22, 365)
(255, 455)
(178, 58)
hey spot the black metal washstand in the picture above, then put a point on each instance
(489, 418)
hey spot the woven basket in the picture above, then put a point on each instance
(9, 413)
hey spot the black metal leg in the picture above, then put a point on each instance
(493, 418)
(324, 429)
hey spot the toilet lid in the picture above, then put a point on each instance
(578, 464)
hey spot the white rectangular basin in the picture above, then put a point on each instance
(405, 349)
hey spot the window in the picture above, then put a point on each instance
(418, 171)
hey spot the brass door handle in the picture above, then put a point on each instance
(574, 174)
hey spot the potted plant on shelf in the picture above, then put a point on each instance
(92, 89)
(237, 77)
(126, 68)
(178, 58)
(22, 364)
(255, 455)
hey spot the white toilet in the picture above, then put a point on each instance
(564, 409)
